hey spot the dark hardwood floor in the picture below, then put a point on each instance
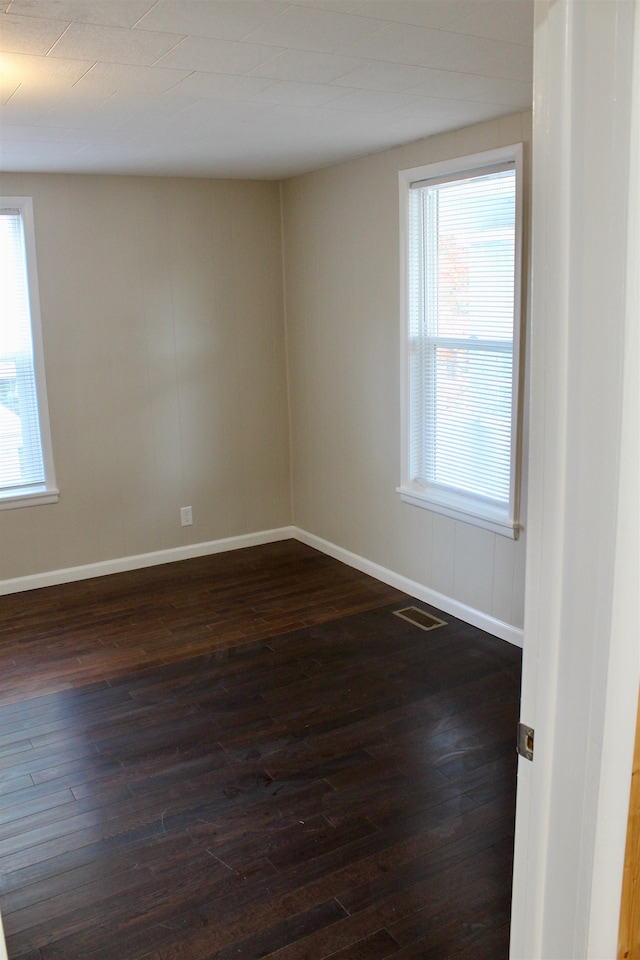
(248, 755)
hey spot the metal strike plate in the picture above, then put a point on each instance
(525, 741)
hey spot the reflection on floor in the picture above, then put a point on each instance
(248, 755)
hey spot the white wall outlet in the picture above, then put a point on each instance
(186, 516)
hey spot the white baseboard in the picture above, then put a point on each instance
(505, 631)
(121, 564)
(69, 574)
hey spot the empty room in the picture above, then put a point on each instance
(318, 479)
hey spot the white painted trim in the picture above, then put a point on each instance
(450, 501)
(35, 497)
(624, 662)
(505, 631)
(48, 488)
(477, 618)
(121, 564)
(581, 659)
(3, 945)
(504, 528)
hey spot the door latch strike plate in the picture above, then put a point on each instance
(525, 741)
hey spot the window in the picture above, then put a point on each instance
(461, 256)
(26, 465)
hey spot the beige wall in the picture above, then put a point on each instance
(162, 304)
(342, 283)
(164, 348)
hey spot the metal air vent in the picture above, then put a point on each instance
(420, 618)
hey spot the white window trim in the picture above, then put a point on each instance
(448, 502)
(46, 492)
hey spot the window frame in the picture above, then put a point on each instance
(448, 500)
(46, 491)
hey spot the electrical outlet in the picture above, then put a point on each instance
(186, 516)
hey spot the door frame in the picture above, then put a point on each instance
(581, 661)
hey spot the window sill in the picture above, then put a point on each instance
(27, 497)
(463, 511)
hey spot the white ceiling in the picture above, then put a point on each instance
(249, 88)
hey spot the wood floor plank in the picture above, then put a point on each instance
(248, 755)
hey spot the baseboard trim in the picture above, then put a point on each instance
(122, 564)
(498, 628)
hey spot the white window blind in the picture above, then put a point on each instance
(26, 472)
(462, 250)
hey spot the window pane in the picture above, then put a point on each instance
(470, 421)
(472, 223)
(461, 324)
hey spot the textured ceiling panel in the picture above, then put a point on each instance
(119, 14)
(215, 19)
(249, 88)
